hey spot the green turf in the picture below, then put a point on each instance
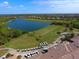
(40, 20)
(29, 40)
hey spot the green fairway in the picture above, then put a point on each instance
(30, 40)
(40, 20)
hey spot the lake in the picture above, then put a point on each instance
(27, 25)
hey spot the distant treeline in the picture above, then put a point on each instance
(74, 23)
(42, 16)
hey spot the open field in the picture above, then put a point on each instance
(40, 20)
(32, 39)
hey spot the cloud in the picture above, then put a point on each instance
(59, 3)
(5, 4)
(60, 6)
(21, 6)
(41, 2)
(65, 4)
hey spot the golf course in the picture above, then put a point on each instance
(19, 39)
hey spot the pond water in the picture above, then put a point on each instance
(27, 25)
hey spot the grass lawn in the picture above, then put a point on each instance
(40, 20)
(48, 34)
(59, 21)
(29, 40)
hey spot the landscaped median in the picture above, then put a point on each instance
(32, 39)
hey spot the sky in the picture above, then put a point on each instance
(38, 6)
